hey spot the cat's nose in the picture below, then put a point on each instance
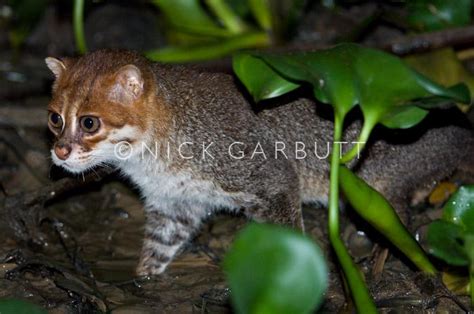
(62, 151)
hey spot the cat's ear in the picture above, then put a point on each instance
(128, 85)
(56, 66)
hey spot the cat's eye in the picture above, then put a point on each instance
(55, 120)
(90, 124)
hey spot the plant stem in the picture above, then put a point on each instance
(471, 282)
(355, 280)
(78, 21)
(225, 14)
(367, 128)
(469, 245)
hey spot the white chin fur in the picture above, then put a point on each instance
(73, 165)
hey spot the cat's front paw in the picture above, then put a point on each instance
(149, 266)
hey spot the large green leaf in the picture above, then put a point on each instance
(269, 83)
(452, 238)
(443, 101)
(328, 71)
(349, 74)
(460, 208)
(404, 117)
(430, 15)
(458, 92)
(376, 210)
(272, 269)
(446, 241)
(206, 51)
(442, 66)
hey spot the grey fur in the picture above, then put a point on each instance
(210, 108)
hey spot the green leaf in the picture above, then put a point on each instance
(260, 80)
(442, 66)
(377, 211)
(325, 70)
(271, 269)
(230, 19)
(384, 87)
(387, 91)
(404, 117)
(190, 17)
(452, 239)
(430, 15)
(240, 7)
(460, 208)
(261, 11)
(349, 74)
(387, 83)
(445, 241)
(19, 307)
(209, 50)
(458, 92)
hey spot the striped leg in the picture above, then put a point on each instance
(164, 236)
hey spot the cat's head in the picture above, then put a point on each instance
(98, 100)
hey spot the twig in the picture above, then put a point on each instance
(410, 44)
(401, 46)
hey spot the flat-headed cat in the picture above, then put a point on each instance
(193, 145)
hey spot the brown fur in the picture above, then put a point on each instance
(177, 104)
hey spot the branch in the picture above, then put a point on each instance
(410, 44)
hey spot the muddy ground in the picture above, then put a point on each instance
(76, 253)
